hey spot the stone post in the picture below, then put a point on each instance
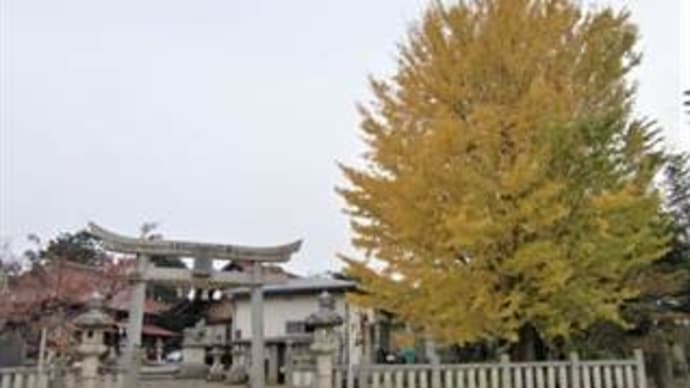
(159, 350)
(506, 371)
(639, 366)
(325, 343)
(272, 365)
(257, 373)
(680, 361)
(132, 354)
(435, 361)
(92, 324)
(287, 371)
(575, 370)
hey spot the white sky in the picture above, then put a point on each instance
(222, 120)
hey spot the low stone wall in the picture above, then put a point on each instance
(573, 373)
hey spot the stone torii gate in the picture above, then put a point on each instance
(201, 276)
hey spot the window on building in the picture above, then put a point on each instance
(294, 327)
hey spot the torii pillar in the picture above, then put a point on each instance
(257, 375)
(135, 322)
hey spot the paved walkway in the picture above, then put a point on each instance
(181, 384)
(192, 384)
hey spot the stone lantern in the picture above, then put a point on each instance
(194, 342)
(93, 325)
(238, 370)
(324, 322)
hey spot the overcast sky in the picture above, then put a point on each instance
(222, 120)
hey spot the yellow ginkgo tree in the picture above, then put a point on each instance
(507, 183)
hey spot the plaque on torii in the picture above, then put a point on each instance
(202, 275)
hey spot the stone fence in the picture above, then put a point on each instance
(32, 377)
(573, 373)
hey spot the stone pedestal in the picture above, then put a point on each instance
(194, 352)
(238, 370)
(325, 342)
(193, 362)
(324, 348)
(215, 373)
(92, 324)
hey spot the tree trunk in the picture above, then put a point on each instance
(526, 349)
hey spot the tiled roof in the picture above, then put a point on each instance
(151, 330)
(272, 269)
(313, 284)
(220, 311)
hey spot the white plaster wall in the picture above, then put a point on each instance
(279, 309)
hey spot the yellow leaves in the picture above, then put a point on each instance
(544, 207)
(505, 182)
(543, 271)
(469, 227)
(524, 173)
(403, 340)
(611, 200)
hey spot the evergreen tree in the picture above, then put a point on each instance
(677, 179)
(77, 247)
(677, 260)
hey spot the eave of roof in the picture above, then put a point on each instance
(308, 285)
(151, 330)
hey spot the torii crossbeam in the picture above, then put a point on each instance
(203, 275)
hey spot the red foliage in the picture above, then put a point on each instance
(48, 297)
(64, 284)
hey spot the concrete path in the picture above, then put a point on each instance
(192, 384)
